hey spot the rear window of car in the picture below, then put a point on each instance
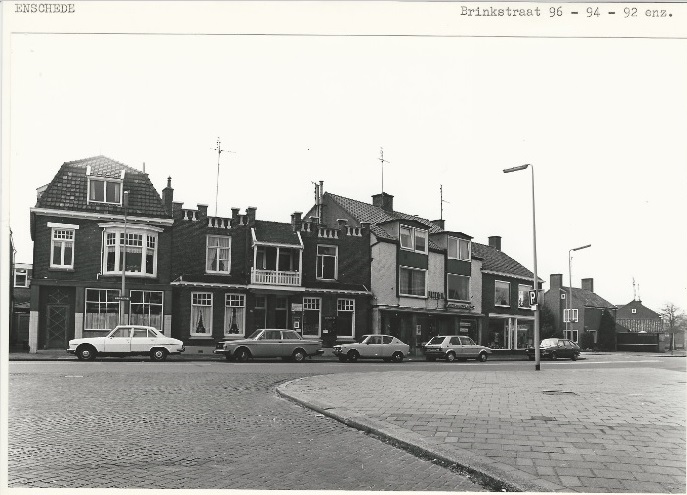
(454, 341)
(375, 339)
(436, 340)
(387, 339)
(549, 342)
(466, 341)
(140, 333)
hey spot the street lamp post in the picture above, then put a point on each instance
(537, 351)
(122, 247)
(569, 303)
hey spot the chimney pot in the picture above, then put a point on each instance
(556, 280)
(384, 201)
(296, 220)
(250, 213)
(202, 210)
(168, 197)
(495, 242)
(588, 284)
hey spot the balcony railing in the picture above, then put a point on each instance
(275, 277)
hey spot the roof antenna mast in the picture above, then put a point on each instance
(441, 195)
(383, 161)
(219, 151)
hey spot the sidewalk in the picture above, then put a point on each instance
(550, 430)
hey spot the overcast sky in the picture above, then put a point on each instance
(603, 121)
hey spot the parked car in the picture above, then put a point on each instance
(270, 343)
(127, 340)
(556, 348)
(452, 347)
(376, 346)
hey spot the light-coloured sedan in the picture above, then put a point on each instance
(270, 343)
(384, 347)
(452, 347)
(127, 340)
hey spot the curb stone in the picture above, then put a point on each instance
(477, 466)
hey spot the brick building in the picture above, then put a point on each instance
(635, 317)
(84, 232)
(22, 273)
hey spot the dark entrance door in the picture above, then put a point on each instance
(57, 325)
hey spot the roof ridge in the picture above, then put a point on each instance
(81, 161)
(394, 214)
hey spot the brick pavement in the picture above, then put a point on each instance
(579, 430)
(192, 425)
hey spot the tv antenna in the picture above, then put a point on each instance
(219, 151)
(383, 161)
(441, 195)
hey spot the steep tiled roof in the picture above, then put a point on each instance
(365, 212)
(275, 232)
(587, 297)
(498, 261)
(69, 189)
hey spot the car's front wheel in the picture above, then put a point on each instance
(86, 353)
(353, 356)
(397, 357)
(574, 357)
(554, 356)
(299, 355)
(450, 357)
(158, 354)
(242, 355)
(482, 357)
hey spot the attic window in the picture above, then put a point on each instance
(104, 191)
(634, 311)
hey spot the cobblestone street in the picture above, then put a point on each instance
(186, 425)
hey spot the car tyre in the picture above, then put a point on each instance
(574, 357)
(158, 354)
(482, 357)
(450, 357)
(242, 355)
(554, 356)
(86, 353)
(353, 356)
(299, 355)
(397, 357)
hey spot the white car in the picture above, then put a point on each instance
(384, 347)
(127, 340)
(452, 347)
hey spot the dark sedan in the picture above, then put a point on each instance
(556, 348)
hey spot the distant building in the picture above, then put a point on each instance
(21, 304)
(581, 313)
(635, 317)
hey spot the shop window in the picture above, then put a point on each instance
(102, 309)
(345, 317)
(502, 293)
(312, 321)
(145, 308)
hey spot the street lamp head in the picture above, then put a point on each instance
(515, 169)
(581, 247)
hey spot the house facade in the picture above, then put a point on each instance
(232, 276)
(509, 318)
(98, 227)
(425, 280)
(21, 274)
(580, 313)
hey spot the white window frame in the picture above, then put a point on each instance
(399, 281)
(634, 311)
(448, 275)
(526, 297)
(146, 307)
(23, 272)
(320, 262)
(458, 241)
(66, 228)
(99, 302)
(233, 300)
(413, 238)
(105, 181)
(347, 306)
(202, 297)
(149, 240)
(218, 250)
(509, 294)
(575, 315)
(312, 304)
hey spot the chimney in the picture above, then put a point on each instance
(439, 223)
(342, 223)
(384, 201)
(556, 281)
(250, 213)
(176, 207)
(234, 213)
(588, 284)
(296, 220)
(168, 196)
(202, 210)
(495, 242)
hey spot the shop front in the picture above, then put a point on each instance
(510, 333)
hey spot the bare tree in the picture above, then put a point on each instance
(674, 321)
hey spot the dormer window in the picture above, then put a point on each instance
(458, 249)
(102, 190)
(413, 239)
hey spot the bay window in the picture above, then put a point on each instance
(412, 282)
(413, 239)
(140, 247)
(458, 249)
(458, 287)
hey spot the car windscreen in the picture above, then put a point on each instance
(436, 340)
